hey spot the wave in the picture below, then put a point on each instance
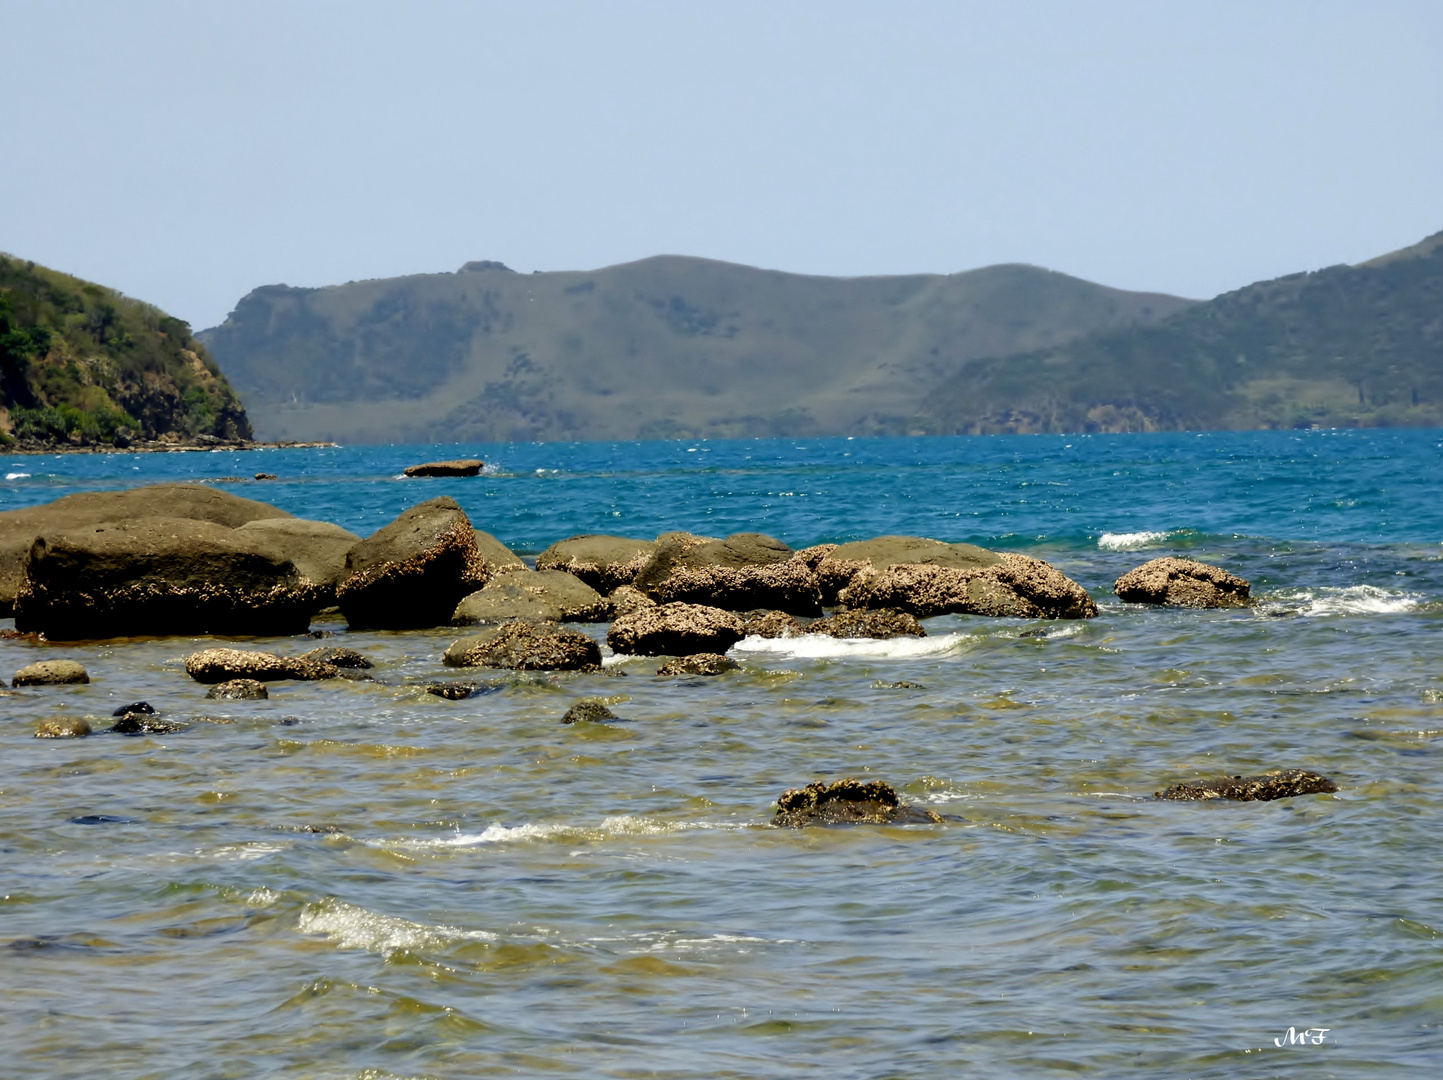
(822, 647)
(353, 927)
(1132, 541)
(17, 476)
(496, 833)
(1347, 600)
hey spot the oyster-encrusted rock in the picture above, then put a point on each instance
(625, 599)
(51, 673)
(676, 630)
(63, 727)
(458, 467)
(317, 548)
(534, 595)
(223, 665)
(239, 690)
(146, 724)
(848, 802)
(837, 569)
(881, 623)
(698, 664)
(1182, 583)
(743, 572)
(606, 563)
(413, 572)
(1016, 586)
(589, 710)
(1278, 784)
(526, 646)
(772, 624)
(337, 656)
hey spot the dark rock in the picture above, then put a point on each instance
(1182, 583)
(1279, 784)
(1015, 586)
(465, 467)
(771, 624)
(452, 691)
(143, 724)
(525, 646)
(533, 595)
(135, 707)
(50, 673)
(902, 685)
(265, 476)
(317, 548)
(589, 710)
(836, 569)
(413, 572)
(223, 665)
(880, 623)
(675, 630)
(848, 802)
(62, 727)
(336, 656)
(699, 664)
(197, 502)
(743, 572)
(239, 690)
(160, 576)
(606, 563)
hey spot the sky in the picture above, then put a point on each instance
(186, 153)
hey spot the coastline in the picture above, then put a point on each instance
(158, 446)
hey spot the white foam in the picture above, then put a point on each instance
(353, 927)
(1349, 600)
(496, 833)
(17, 476)
(1129, 541)
(820, 646)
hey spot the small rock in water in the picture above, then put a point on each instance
(902, 685)
(1182, 583)
(134, 707)
(452, 691)
(1279, 784)
(525, 646)
(772, 624)
(239, 690)
(675, 630)
(848, 802)
(699, 664)
(337, 656)
(62, 727)
(878, 623)
(144, 724)
(588, 709)
(50, 673)
(1039, 632)
(466, 467)
(222, 665)
(265, 476)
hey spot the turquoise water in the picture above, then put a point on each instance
(363, 880)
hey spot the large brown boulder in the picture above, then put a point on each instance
(1182, 583)
(526, 646)
(195, 502)
(1015, 586)
(496, 557)
(741, 573)
(318, 548)
(676, 630)
(606, 563)
(459, 467)
(534, 595)
(228, 665)
(837, 568)
(413, 572)
(1279, 784)
(51, 673)
(161, 576)
(848, 802)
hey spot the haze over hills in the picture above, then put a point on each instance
(667, 347)
(1348, 346)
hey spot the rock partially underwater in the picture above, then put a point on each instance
(676, 630)
(1279, 784)
(1183, 583)
(848, 802)
(526, 646)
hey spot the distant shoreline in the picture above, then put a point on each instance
(158, 447)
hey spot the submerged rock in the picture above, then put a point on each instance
(699, 664)
(412, 573)
(606, 563)
(589, 710)
(51, 673)
(525, 646)
(534, 595)
(452, 691)
(135, 707)
(848, 802)
(143, 724)
(1182, 583)
(336, 656)
(1278, 784)
(881, 623)
(239, 690)
(460, 467)
(675, 630)
(62, 727)
(224, 665)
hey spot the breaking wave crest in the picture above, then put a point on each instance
(1131, 541)
(820, 646)
(1349, 600)
(496, 833)
(353, 927)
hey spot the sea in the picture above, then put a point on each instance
(361, 880)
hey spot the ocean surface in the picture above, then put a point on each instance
(361, 880)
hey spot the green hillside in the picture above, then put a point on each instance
(81, 364)
(664, 347)
(1358, 346)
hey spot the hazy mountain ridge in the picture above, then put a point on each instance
(666, 347)
(1346, 346)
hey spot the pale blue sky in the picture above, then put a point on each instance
(188, 152)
